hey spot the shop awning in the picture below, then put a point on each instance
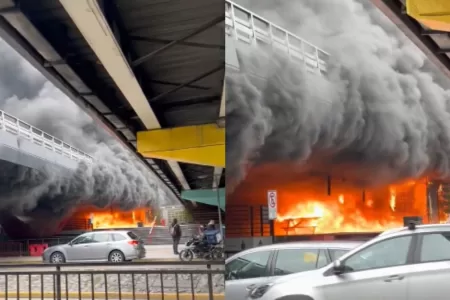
(210, 197)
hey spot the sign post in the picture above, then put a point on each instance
(272, 204)
(272, 199)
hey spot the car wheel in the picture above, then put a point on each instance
(57, 258)
(116, 256)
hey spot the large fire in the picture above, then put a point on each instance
(115, 218)
(349, 210)
(309, 202)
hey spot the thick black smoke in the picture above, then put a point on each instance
(382, 112)
(114, 177)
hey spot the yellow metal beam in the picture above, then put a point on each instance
(201, 144)
(435, 14)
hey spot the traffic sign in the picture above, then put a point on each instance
(272, 203)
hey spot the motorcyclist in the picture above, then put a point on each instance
(203, 242)
(212, 234)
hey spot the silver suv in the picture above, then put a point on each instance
(114, 246)
(407, 263)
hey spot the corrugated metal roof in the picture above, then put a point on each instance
(153, 24)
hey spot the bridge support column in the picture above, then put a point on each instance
(200, 144)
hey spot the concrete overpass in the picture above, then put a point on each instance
(247, 32)
(148, 67)
(28, 146)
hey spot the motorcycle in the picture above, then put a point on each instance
(197, 248)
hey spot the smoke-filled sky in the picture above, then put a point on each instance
(382, 114)
(116, 175)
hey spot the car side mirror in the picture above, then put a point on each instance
(70, 243)
(231, 275)
(234, 275)
(338, 267)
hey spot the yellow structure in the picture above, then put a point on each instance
(201, 144)
(434, 14)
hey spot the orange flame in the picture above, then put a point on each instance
(115, 218)
(304, 211)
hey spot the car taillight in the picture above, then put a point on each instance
(134, 243)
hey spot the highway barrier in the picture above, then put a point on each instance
(194, 280)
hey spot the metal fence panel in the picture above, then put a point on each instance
(144, 280)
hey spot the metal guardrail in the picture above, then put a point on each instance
(38, 137)
(143, 280)
(17, 248)
(250, 28)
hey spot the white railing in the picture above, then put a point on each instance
(249, 28)
(38, 137)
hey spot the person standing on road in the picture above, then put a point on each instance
(175, 232)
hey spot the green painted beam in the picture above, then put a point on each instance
(209, 197)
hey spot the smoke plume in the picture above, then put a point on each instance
(382, 113)
(116, 176)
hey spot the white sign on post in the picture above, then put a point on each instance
(272, 200)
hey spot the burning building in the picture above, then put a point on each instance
(320, 204)
(36, 204)
(356, 149)
(114, 217)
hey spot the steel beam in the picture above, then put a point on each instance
(443, 51)
(184, 43)
(431, 32)
(191, 101)
(202, 28)
(192, 86)
(179, 87)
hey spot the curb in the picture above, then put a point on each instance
(112, 295)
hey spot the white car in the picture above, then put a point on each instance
(411, 263)
(251, 268)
